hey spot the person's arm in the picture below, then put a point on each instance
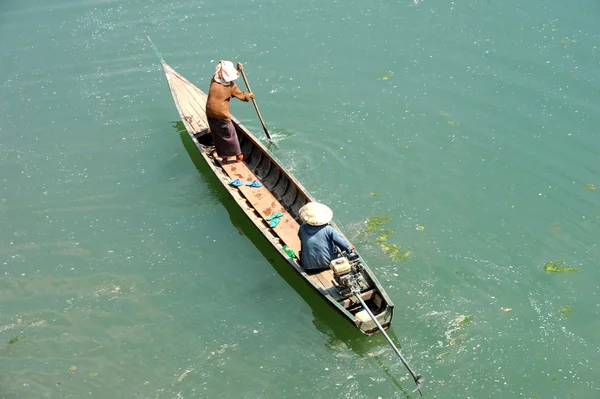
(237, 93)
(340, 241)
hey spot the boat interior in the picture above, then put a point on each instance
(278, 192)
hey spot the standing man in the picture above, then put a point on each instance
(222, 89)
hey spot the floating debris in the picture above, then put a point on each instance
(15, 339)
(93, 375)
(387, 76)
(556, 267)
(454, 332)
(72, 368)
(420, 227)
(444, 355)
(453, 123)
(461, 321)
(506, 309)
(444, 113)
(393, 250)
(382, 239)
(375, 222)
(374, 194)
(565, 311)
(377, 353)
(374, 226)
(589, 187)
(182, 376)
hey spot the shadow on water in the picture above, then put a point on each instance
(327, 320)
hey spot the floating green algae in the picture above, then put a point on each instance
(382, 239)
(565, 311)
(444, 355)
(394, 251)
(463, 320)
(589, 187)
(374, 223)
(557, 267)
(391, 249)
(383, 236)
(14, 339)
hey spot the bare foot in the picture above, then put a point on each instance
(239, 158)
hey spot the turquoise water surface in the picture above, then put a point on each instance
(128, 272)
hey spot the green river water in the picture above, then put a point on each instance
(128, 272)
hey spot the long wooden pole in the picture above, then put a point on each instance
(417, 378)
(256, 108)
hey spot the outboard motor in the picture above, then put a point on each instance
(346, 271)
(342, 271)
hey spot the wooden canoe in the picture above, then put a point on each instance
(280, 192)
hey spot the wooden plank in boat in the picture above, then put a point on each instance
(191, 100)
(325, 276)
(287, 229)
(349, 302)
(265, 204)
(325, 279)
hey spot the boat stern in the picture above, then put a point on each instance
(368, 327)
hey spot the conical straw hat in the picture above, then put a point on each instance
(315, 214)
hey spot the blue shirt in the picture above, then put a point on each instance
(318, 245)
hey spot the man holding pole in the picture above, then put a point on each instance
(222, 89)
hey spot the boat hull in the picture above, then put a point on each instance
(280, 192)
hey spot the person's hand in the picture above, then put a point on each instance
(240, 67)
(251, 95)
(352, 248)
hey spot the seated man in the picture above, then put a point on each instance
(319, 241)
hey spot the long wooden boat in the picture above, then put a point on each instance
(280, 192)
